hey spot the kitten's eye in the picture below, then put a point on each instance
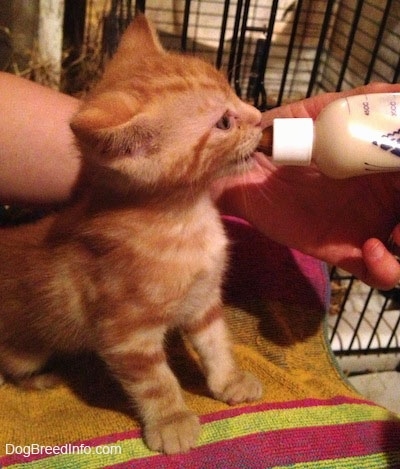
(224, 123)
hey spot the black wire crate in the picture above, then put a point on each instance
(364, 324)
(275, 51)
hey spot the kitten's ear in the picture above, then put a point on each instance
(141, 36)
(110, 126)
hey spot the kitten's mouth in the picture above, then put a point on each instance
(243, 163)
(248, 157)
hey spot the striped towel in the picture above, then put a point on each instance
(309, 417)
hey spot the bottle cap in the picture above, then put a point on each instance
(293, 141)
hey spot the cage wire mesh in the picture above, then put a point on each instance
(277, 51)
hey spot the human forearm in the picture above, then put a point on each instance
(38, 160)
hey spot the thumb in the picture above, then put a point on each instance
(382, 269)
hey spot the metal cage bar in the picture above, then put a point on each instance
(350, 42)
(371, 330)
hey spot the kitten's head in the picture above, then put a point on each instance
(158, 119)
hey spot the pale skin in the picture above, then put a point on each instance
(38, 160)
(345, 223)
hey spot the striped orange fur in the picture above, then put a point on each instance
(141, 248)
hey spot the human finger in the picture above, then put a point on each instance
(382, 269)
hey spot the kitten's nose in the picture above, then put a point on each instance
(251, 114)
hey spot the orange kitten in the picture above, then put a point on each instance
(141, 249)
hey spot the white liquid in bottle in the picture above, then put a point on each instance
(352, 136)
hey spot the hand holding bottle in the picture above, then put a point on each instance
(345, 222)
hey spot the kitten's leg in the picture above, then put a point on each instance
(210, 337)
(40, 381)
(140, 364)
(25, 370)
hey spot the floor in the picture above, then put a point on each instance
(382, 387)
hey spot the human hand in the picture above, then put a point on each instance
(344, 222)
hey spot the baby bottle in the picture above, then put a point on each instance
(352, 136)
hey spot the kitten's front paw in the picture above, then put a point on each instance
(243, 388)
(177, 433)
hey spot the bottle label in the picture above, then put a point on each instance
(389, 142)
(377, 116)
